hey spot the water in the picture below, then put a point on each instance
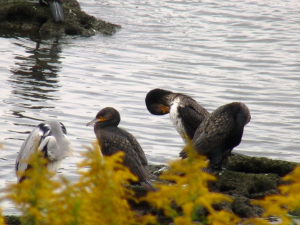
(215, 51)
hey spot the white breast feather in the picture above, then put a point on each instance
(176, 119)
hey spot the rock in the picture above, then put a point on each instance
(248, 164)
(244, 179)
(12, 220)
(245, 184)
(29, 16)
(241, 206)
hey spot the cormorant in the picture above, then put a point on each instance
(220, 132)
(50, 138)
(112, 139)
(185, 113)
(56, 9)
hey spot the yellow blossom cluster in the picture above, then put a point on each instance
(2, 222)
(280, 205)
(189, 191)
(99, 197)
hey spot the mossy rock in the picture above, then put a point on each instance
(256, 165)
(12, 220)
(28, 16)
(244, 179)
(246, 184)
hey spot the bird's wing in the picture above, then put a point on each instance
(29, 147)
(213, 131)
(136, 147)
(116, 140)
(191, 119)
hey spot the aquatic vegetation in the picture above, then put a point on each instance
(280, 205)
(189, 192)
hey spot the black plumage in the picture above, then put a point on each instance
(185, 113)
(56, 9)
(112, 139)
(220, 132)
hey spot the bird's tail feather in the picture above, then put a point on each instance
(57, 11)
(147, 184)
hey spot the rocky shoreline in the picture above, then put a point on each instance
(31, 16)
(244, 179)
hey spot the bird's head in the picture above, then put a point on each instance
(106, 116)
(158, 101)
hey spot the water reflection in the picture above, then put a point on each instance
(34, 80)
(34, 76)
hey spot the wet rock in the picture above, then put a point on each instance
(31, 16)
(12, 220)
(245, 179)
(243, 184)
(248, 164)
(241, 206)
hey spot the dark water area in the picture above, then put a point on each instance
(215, 51)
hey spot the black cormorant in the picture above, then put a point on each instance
(220, 132)
(185, 113)
(112, 139)
(56, 9)
(50, 138)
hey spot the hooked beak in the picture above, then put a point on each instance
(165, 109)
(95, 121)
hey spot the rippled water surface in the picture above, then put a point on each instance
(215, 51)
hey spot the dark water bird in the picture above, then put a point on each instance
(185, 113)
(220, 132)
(112, 139)
(50, 137)
(56, 9)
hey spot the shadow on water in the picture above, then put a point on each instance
(34, 80)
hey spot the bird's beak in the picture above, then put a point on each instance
(165, 109)
(95, 121)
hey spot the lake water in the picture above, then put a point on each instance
(215, 51)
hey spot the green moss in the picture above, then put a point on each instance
(246, 178)
(30, 16)
(248, 164)
(12, 220)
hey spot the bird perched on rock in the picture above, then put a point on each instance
(112, 139)
(50, 137)
(185, 113)
(56, 9)
(220, 132)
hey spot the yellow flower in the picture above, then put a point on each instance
(189, 191)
